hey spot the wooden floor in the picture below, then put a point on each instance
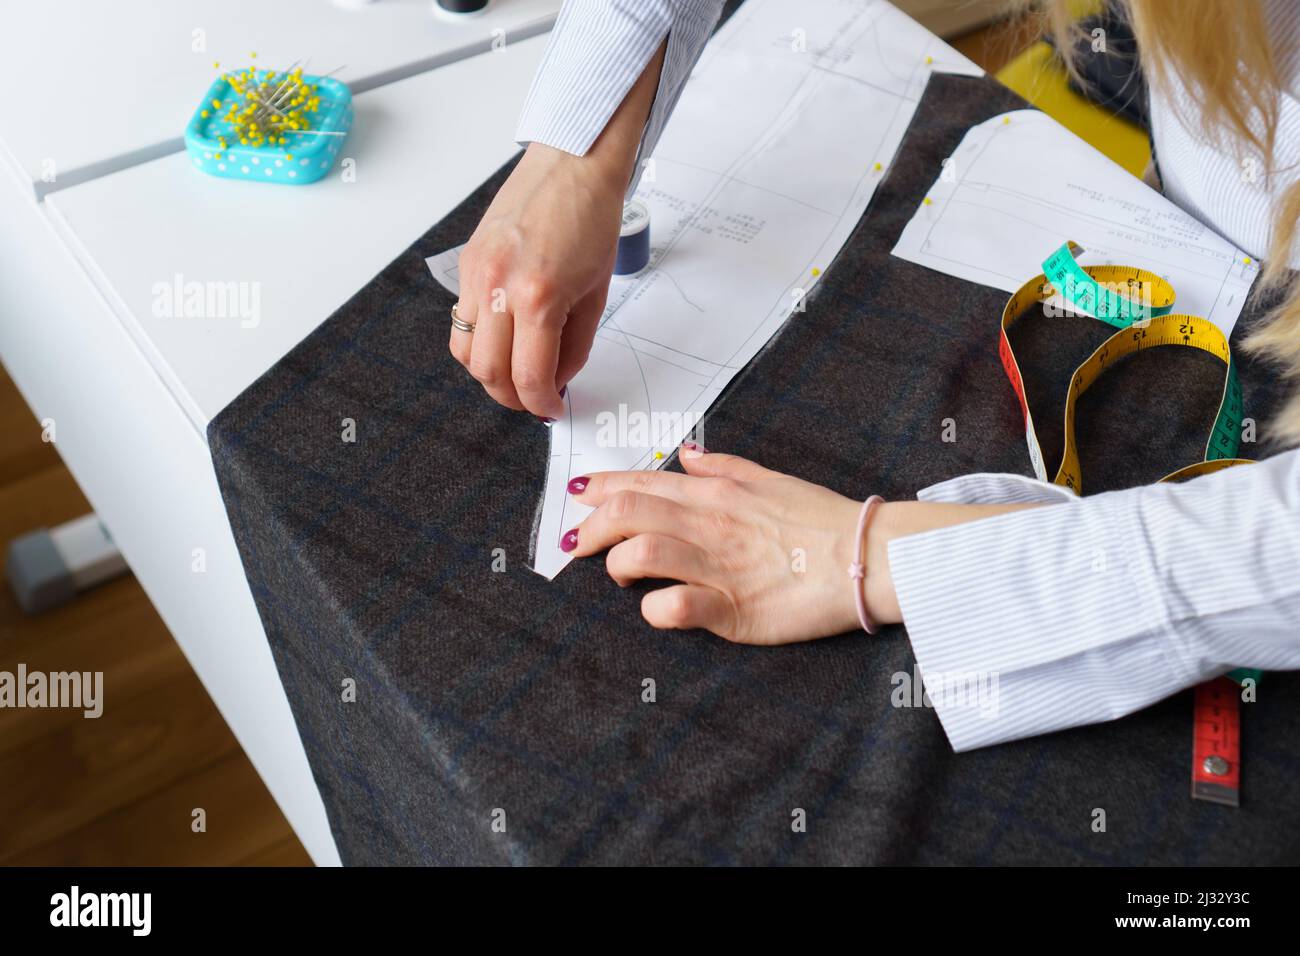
(120, 789)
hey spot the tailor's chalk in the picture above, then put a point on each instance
(633, 240)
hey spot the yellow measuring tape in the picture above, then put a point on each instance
(1138, 303)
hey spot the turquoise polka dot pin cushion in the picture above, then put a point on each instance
(270, 126)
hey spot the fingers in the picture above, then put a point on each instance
(713, 465)
(515, 355)
(657, 556)
(687, 606)
(524, 354)
(598, 488)
(601, 487)
(579, 333)
(630, 513)
(534, 356)
(462, 342)
(489, 360)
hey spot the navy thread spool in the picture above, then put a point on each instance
(461, 7)
(633, 240)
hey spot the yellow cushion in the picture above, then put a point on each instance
(1039, 77)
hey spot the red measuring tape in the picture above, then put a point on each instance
(1216, 742)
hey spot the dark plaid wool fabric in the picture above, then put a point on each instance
(489, 695)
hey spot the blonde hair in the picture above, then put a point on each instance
(1224, 60)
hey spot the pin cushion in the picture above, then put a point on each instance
(270, 126)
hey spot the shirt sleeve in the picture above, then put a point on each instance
(1093, 608)
(595, 54)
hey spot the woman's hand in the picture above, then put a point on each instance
(763, 556)
(535, 274)
(534, 277)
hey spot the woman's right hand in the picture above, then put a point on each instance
(535, 275)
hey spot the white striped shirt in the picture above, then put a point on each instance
(1077, 613)
(596, 52)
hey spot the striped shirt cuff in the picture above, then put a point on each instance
(596, 52)
(1036, 620)
(1056, 617)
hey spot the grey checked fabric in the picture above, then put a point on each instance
(485, 696)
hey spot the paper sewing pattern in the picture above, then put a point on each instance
(777, 144)
(1020, 184)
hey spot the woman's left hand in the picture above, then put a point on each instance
(763, 557)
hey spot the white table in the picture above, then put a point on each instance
(418, 147)
(89, 87)
(131, 394)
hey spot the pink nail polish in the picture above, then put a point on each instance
(695, 446)
(578, 485)
(569, 541)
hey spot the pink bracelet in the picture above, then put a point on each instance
(858, 569)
